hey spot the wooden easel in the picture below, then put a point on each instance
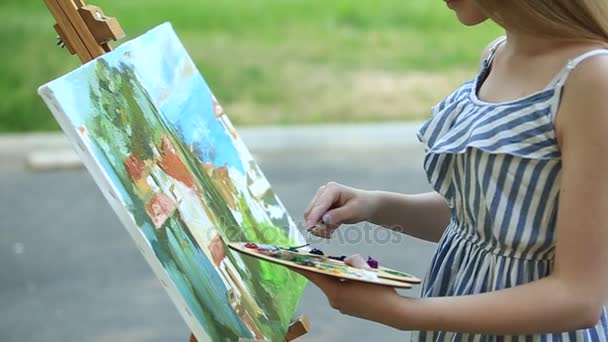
(86, 31)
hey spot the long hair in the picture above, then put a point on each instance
(568, 19)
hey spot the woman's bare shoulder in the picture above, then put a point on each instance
(584, 102)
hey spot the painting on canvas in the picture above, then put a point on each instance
(167, 158)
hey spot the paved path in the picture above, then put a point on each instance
(71, 273)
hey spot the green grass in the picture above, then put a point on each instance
(269, 61)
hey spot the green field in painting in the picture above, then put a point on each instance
(269, 61)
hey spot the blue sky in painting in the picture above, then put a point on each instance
(160, 61)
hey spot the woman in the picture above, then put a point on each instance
(517, 158)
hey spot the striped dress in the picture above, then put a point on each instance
(498, 165)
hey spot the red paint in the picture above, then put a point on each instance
(159, 208)
(135, 167)
(173, 165)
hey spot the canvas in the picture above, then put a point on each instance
(183, 183)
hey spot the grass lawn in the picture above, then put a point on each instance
(269, 61)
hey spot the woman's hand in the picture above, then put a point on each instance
(358, 299)
(335, 204)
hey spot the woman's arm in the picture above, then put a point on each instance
(550, 305)
(546, 306)
(424, 216)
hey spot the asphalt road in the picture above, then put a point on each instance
(70, 272)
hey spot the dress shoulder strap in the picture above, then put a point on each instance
(562, 76)
(493, 49)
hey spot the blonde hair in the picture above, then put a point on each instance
(569, 19)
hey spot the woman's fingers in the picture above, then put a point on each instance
(321, 204)
(321, 230)
(338, 216)
(331, 221)
(313, 201)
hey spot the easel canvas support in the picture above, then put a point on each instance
(86, 31)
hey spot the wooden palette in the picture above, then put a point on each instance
(324, 265)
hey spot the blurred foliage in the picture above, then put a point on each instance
(269, 61)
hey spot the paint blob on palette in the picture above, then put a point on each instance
(333, 266)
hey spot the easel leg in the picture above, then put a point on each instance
(297, 328)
